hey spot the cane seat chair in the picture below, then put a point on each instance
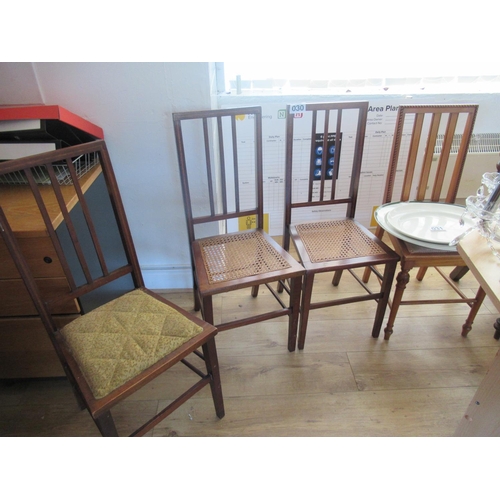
(428, 154)
(124, 335)
(324, 151)
(221, 168)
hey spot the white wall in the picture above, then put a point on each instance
(132, 103)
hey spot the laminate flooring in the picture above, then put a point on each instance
(344, 382)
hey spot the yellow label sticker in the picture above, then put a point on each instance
(373, 221)
(250, 222)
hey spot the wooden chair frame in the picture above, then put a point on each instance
(371, 251)
(222, 175)
(417, 170)
(48, 197)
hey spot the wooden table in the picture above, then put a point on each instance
(482, 417)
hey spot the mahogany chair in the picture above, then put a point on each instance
(121, 335)
(324, 151)
(220, 161)
(429, 150)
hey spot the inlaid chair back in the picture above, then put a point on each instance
(427, 159)
(112, 335)
(221, 168)
(324, 152)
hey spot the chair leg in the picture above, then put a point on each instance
(385, 290)
(255, 291)
(459, 272)
(401, 281)
(379, 233)
(208, 309)
(197, 305)
(80, 400)
(336, 277)
(497, 329)
(212, 364)
(466, 328)
(366, 274)
(304, 308)
(106, 425)
(421, 273)
(293, 321)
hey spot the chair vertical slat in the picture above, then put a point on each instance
(323, 156)
(357, 161)
(412, 156)
(69, 223)
(336, 155)
(208, 163)
(259, 173)
(393, 160)
(429, 153)
(445, 156)
(461, 156)
(288, 178)
(235, 163)
(88, 218)
(48, 224)
(220, 135)
(119, 211)
(312, 155)
(181, 155)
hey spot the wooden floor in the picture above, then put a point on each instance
(344, 383)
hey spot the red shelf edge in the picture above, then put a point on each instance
(53, 112)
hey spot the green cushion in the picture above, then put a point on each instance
(117, 341)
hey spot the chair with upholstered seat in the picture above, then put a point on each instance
(324, 151)
(221, 168)
(122, 335)
(428, 155)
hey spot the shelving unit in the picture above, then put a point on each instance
(25, 349)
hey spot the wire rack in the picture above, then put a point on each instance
(479, 143)
(82, 164)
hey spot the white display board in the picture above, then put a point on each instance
(378, 141)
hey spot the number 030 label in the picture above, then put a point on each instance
(297, 109)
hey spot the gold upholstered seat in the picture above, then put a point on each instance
(117, 341)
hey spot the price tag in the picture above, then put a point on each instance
(298, 110)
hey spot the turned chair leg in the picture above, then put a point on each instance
(467, 326)
(401, 281)
(385, 289)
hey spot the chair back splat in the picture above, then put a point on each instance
(324, 152)
(111, 334)
(220, 163)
